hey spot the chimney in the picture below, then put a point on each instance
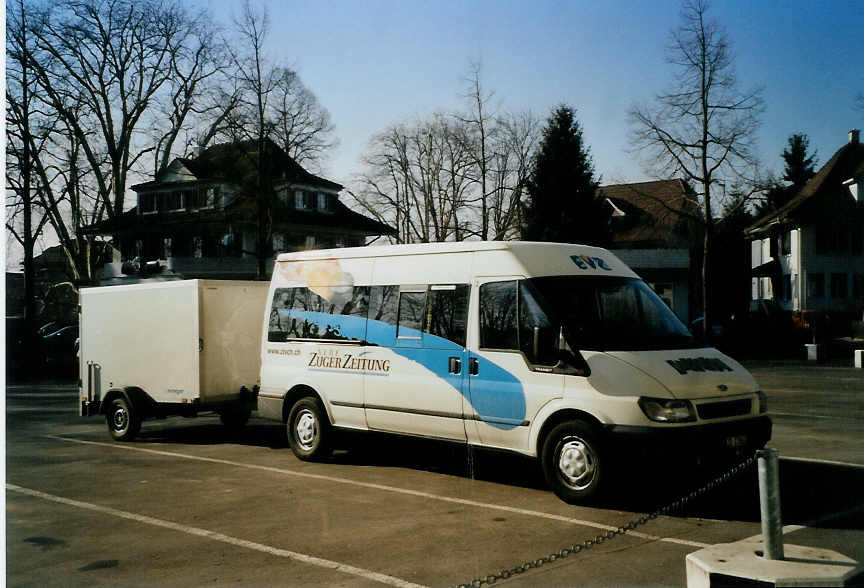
(854, 136)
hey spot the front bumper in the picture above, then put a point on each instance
(730, 438)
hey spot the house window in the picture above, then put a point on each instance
(822, 241)
(147, 202)
(786, 243)
(815, 284)
(858, 286)
(841, 242)
(197, 247)
(310, 242)
(323, 201)
(278, 242)
(212, 197)
(166, 248)
(304, 200)
(172, 200)
(838, 286)
(857, 241)
(285, 196)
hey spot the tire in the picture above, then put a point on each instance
(309, 430)
(573, 462)
(123, 420)
(236, 418)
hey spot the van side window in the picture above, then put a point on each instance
(538, 335)
(447, 312)
(410, 313)
(383, 304)
(289, 318)
(282, 325)
(498, 316)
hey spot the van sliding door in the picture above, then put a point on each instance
(422, 393)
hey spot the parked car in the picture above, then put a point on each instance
(59, 347)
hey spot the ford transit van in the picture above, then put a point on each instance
(556, 351)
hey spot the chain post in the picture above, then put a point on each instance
(769, 502)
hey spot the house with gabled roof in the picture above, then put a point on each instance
(809, 254)
(199, 217)
(655, 231)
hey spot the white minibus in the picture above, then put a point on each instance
(551, 350)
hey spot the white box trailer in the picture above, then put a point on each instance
(168, 348)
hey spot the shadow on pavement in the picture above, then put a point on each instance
(812, 494)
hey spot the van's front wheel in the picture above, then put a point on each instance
(309, 430)
(573, 463)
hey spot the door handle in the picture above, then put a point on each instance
(455, 365)
(473, 366)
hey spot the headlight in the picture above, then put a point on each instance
(763, 401)
(663, 410)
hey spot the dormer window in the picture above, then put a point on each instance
(146, 202)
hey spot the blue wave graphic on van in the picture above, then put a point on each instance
(496, 395)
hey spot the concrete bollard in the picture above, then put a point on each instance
(769, 502)
(761, 561)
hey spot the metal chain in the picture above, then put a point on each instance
(578, 547)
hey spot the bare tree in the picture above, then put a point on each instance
(301, 126)
(702, 129)
(21, 180)
(451, 176)
(479, 131)
(115, 56)
(193, 95)
(416, 178)
(516, 138)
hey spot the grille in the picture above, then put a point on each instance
(719, 410)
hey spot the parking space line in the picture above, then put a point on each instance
(307, 559)
(812, 416)
(406, 491)
(823, 461)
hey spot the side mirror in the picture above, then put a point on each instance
(570, 362)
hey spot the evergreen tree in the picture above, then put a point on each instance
(563, 204)
(799, 166)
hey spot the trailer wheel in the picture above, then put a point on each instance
(309, 429)
(123, 420)
(573, 462)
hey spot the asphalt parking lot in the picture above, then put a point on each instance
(188, 504)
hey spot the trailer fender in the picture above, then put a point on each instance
(134, 396)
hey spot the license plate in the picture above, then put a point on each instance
(736, 441)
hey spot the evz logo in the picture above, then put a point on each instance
(584, 262)
(698, 364)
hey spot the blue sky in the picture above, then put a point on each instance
(375, 63)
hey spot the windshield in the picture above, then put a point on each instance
(612, 314)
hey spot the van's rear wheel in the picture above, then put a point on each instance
(309, 429)
(124, 423)
(573, 463)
